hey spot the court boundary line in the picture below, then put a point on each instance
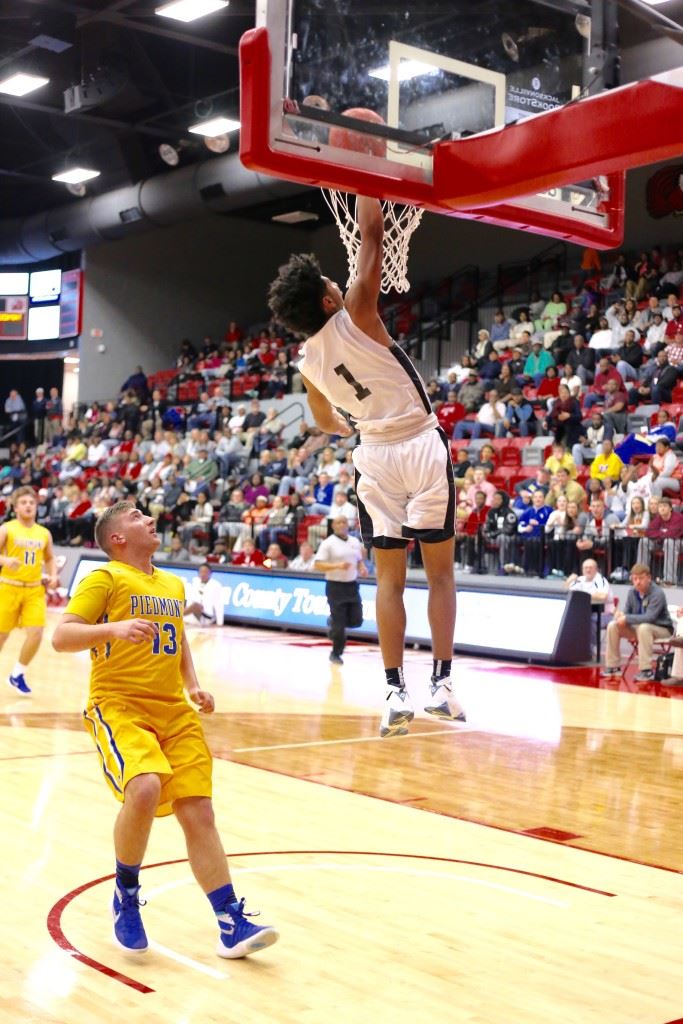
(58, 936)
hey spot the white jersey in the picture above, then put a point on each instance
(378, 386)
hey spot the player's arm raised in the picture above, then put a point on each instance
(75, 634)
(324, 413)
(202, 698)
(362, 297)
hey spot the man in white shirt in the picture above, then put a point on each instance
(204, 597)
(489, 416)
(305, 560)
(594, 583)
(602, 340)
(340, 557)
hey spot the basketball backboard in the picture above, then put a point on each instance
(440, 73)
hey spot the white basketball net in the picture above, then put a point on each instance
(399, 224)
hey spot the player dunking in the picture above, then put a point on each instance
(153, 754)
(25, 548)
(404, 477)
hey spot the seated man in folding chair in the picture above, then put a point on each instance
(676, 677)
(644, 619)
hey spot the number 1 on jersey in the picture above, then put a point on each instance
(361, 392)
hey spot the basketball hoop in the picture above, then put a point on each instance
(399, 221)
(399, 224)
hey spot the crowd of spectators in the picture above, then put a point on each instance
(596, 373)
(192, 445)
(217, 476)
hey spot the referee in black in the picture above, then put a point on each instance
(340, 557)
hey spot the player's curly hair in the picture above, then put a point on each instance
(295, 296)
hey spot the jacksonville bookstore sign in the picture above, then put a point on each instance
(538, 626)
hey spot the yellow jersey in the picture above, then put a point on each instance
(146, 670)
(28, 544)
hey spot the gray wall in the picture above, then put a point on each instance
(147, 292)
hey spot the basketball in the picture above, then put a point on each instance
(359, 143)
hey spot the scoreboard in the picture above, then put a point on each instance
(42, 305)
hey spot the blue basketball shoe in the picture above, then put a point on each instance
(19, 684)
(239, 937)
(129, 932)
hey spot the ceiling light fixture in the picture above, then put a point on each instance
(214, 126)
(407, 69)
(20, 84)
(76, 175)
(190, 10)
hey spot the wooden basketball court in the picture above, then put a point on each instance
(523, 868)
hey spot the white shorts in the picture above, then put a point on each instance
(405, 490)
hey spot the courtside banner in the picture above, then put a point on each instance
(535, 626)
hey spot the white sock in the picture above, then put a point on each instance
(19, 669)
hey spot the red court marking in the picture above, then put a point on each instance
(556, 834)
(54, 917)
(54, 927)
(456, 817)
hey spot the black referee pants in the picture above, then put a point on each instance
(346, 612)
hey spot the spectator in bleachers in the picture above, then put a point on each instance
(15, 413)
(204, 413)
(471, 393)
(601, 340)
(479, 483)
(248, 556)
(304, 560)
(506, 383)
(605, 372)
(671, 281)
(275, 558)
(654, 337)
(630, 356)
(643, 278)
(500, 328)
(561, 483)
(531, 529)
(555, 308)
(564, 419)
(481, 350)
(572, 381)
(598, 529)
(560, 539)
(606, 462)
(461, 465)
(616, 407)
(663, 466)
(657, 381)
(674, 324)
(632, 530)
(618, 275)
(581, 359)
(200, 472)
(560, 458)
(230, 516)
(273, 524)
(489, 416)
(644, 443)
(200, 520)
(519, 416)
(540, 481)
(490, 370)
(137, 383)
(645, 317)
(328, 463)
(255, 488)
(319, 501)
(269, 432)
(537, 362)
(500, 531)
(664, 534)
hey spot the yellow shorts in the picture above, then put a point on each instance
(21, 606)
(137, 737)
